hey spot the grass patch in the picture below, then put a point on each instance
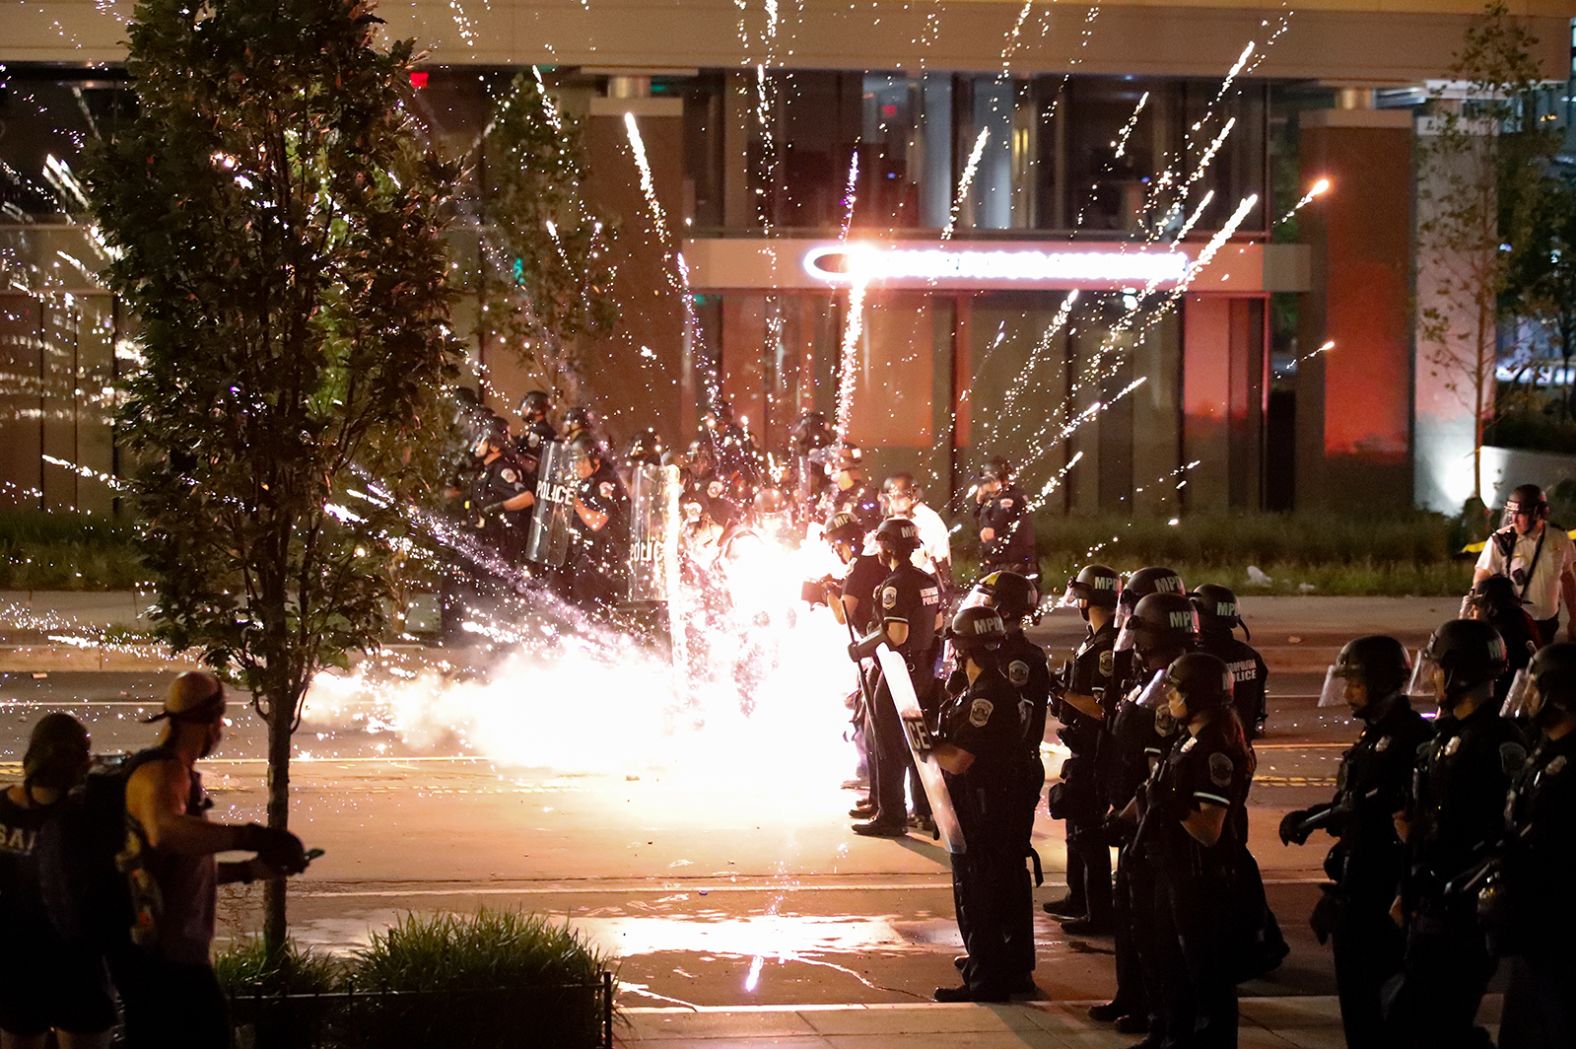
(66, 551)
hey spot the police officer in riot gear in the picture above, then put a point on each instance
(601, 529)
(535, 407)
(460, 468)
(1190, 835)
(906, 616)
(1161, 628)
(1006, 527)
(1154, 579)
(646, 448)
(1081, 800)
(811, 435)
(1218, 616)
(1366, 864)
(1457, 805)
(500, 497)
(700, 473)
(980, 748)
(1538, 866)
(578, 420)
(851, 493)
(850, 603)
(1024, 665)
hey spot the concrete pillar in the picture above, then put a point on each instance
(1354, 402)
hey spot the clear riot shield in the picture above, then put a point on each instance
(552, 522)
(917, 733)
(653, 531)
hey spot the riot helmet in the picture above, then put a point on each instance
(976, 631)
(1378, 662)
(1097, 585)
(845, 456)
(1526, 499)
(1217, 609)
(1160, 623)
(587, 453)
(1467, 654)
(996, 468)
(1202, 681)
(811, 431)
(647, 447)
(1546, 690)
(492, 437)
(536, 404)
(577, 420)
(845, 528)
(1153, 579)
(1009, 593)
(898, 537)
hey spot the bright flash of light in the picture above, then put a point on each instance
(848, 355)
(967, 180)
(1318, 189)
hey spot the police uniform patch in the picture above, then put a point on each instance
(1383, 745)
(1555, 767)
(533, 439)
(508, 475)
(1512, 756)
(1006, 504)
(1018, 673)
(1107, 663)
(1452, 746)
(889, 597)
(1221, 769)
(606, 488)
(979, 712)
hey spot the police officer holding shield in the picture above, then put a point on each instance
(906, 616)
(1456, 808)
(980, 748)
(1367, 862)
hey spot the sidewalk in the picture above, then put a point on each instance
(1311, 1022)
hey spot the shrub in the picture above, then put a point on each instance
(495, 978)
(64, 550)
(256, 991)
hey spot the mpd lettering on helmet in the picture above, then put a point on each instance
(1181, 620)
(1168, 584)
(1104, 582)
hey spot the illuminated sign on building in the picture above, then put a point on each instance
(948, 266)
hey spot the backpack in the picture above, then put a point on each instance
(86, 892)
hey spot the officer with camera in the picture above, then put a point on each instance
(1365, 865)
(1537, 557)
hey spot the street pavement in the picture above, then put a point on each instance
(739, 907)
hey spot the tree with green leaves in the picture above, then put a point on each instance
(1543, 282)
(276, 223)
(547, 262)
(1483, 164)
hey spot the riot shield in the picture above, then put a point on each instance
(653, 532)
(552, 521)
(915, 731)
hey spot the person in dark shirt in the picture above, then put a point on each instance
(46, 983)
(1367, 861)
(980, 749)
(1006, 525)
(1494, 600)
(851, 492)
(906, 616)
(1456, 808)
(1189, 832)
(1539, 865)
(1218, 617)
(601, 530)
(1087, 682)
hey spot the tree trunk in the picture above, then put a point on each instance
(281, 713)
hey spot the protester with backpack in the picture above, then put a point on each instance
(46, 982)
(169, 994)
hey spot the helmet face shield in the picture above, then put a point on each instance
(1523, 699)
(1333, 694)
(1422, 684)
(1157, 694)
